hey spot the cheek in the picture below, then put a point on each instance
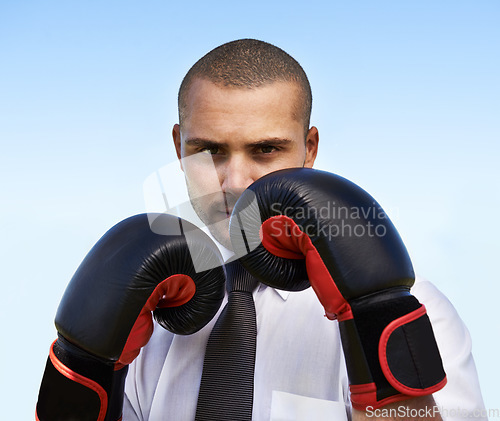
(201, 175)
(291, 159)
(204, 187)
(194, 178)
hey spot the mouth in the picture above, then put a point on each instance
(226, 206)
(222, 214)
(229, 203)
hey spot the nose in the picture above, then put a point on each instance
(236, 175)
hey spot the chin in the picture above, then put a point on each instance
(221, 234)
(218, 225)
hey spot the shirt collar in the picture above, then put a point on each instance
(283, 294)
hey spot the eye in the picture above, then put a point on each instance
(267, 149)
(211, 150)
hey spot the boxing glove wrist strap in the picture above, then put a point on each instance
(390, 349)
(76, 382)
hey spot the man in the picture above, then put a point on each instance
(244, 109)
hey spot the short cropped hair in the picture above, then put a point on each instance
(249, 63)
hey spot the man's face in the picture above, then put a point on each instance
(244, 134)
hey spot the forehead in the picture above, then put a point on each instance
(271, 101)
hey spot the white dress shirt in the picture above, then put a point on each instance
(300, 371)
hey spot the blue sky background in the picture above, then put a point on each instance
(406, 99)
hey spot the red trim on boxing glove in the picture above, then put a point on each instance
(365, 395)
(282, 237)
(78, 378)
(173, 291)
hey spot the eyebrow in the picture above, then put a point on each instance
(203, 142)
(275, 141)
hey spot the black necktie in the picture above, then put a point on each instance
(226, 390)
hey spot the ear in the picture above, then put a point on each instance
(176, 135)
(312, 140)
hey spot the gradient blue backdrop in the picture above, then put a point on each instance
(406, 99)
